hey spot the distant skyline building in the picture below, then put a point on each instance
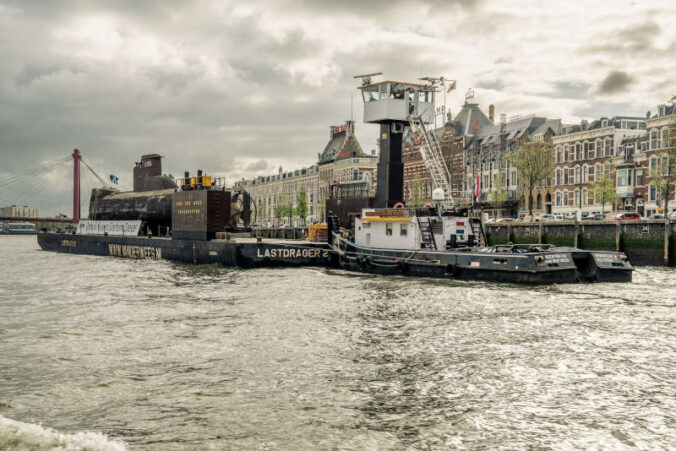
(16, 211)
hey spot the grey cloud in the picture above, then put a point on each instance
(634, 41)
(382, 6)
(569, 90)
(616, 81)
(495, 84)
(598, 109)
(258, 166)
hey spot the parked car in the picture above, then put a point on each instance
(547, 218)
(628, 217)
(505, 220)
(656, 216)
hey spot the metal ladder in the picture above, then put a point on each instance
(430, 151)
(478, 231)
(426, 234)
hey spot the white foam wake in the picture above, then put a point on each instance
(15, 436)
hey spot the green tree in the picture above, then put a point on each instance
(604, 190)
(301, 204)
(499, 191)
(533, 162)
(664, 177)
(416, 191)
(280, 211)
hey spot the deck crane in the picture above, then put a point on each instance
(430, 149)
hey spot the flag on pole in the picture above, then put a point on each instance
(114, 179)
(476, 188)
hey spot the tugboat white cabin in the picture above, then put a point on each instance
(414, 229)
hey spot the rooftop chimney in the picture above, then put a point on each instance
(491, 112)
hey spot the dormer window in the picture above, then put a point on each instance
(604, 123)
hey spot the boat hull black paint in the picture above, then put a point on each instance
(555, 266)
(245, 253)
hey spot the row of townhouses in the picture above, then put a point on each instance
(625, 148)
(475, 145)
(342, 169)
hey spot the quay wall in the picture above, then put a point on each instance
(641, 241)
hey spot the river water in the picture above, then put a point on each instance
(109, 353)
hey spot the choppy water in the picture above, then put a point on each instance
(105, 353)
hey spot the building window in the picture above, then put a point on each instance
(665, 138)
(586, 151)
(585, 196)
(565, 198)
(653, 140)
(577, 174)
(558, 154)
(388, 229)
(652, 193)
(639, 177)
(607, 143)
(558, 198)
(565, 153)
(403, 229)
(621, 177)
(585, 174)
(597, 146)
(355, 174)
(565, 176)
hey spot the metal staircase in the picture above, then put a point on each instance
(427, 240)
(478, 231)
(430, 150)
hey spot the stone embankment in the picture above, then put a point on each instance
(644, 242)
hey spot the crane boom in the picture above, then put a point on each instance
(430, 150)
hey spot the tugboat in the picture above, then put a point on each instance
(431, 243)
(439, 240)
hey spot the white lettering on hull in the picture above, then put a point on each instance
(137, 252)
(284, 252)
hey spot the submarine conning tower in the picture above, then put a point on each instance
(148, 174)
(391, 104)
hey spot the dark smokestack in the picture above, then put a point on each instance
(491, 112)
(186, 174)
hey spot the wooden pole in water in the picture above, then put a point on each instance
(667, 238)
(576, 238)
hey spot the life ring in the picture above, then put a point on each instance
(417, 138)
(398, 205)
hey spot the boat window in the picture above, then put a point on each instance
(403, 230)
(370, 93)
(397, 91)
(388, 229)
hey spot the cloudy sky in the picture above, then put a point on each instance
(240, 88)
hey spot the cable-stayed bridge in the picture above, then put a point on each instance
(47, 184)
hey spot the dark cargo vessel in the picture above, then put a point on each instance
(195, 221)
